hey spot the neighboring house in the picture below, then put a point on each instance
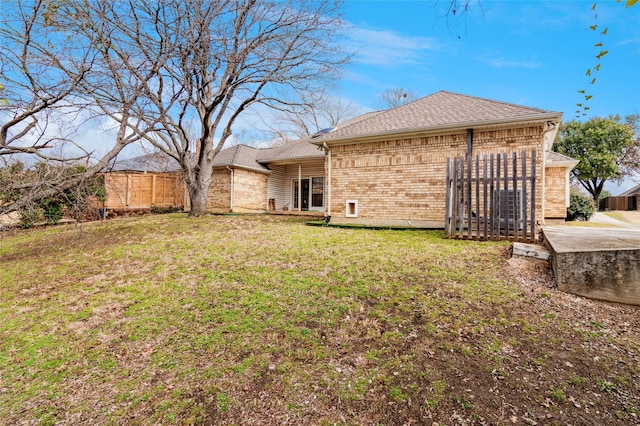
(628, 200)
(633, 191)
(144, 182)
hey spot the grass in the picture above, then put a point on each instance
(238, 320)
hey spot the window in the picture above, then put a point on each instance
(312, 196)
(317, 192)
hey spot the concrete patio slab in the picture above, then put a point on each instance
(599, 263)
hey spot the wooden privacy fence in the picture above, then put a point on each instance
(621, 202)
(143, 190)
(492, 197)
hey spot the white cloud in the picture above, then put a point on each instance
(385, 47)
(635, 40)
(498, 62)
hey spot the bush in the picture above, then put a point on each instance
(53, 209)
(581, 207)
(30, 215)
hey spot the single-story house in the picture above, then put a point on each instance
(247, 179)
(633, 191)
(388, 167)
(628, 200)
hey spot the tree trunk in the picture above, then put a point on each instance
(198, 202)
(199, 189)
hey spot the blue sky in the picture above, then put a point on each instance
(532, 53)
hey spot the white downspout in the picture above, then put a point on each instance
(231, 190)
(299, 187)
(328, 151)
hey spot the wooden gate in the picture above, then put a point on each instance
(491, 198)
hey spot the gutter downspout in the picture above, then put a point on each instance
(328, 152)
(550, 126)
(299, 187)
(469, 143)
(231, 190)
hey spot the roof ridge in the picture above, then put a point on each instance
(439, 110)
(489, 100)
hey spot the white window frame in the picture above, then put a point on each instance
(294, 199)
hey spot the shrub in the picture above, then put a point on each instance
(53, 209)
(581, 207)
(30, 215)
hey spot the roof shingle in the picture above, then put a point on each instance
(439, 110)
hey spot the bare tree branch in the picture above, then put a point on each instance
(62, 62)
(395, 97)
(223, 58)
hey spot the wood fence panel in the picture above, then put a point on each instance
(619, 203)
(143, 191)
(492, 198)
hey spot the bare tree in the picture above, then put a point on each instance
(318, 111)
(395, 97)
(58, 74)
(39, 73)
(225, 56)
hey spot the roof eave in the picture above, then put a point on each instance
(563, 163)
(438, 129)
(319, 156)
(243, 167)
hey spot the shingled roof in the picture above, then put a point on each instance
(242, 156)
(300, 149)
(631, 191)
(557, 159)
(441, 110)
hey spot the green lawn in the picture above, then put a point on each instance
(262, 320)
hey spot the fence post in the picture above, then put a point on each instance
(525, 199)
(516, 213)
(447, 200)
(484, 196)
(533, 195)
(477, 204)
(460, 200)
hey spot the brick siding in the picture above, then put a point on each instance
(219, 197)
(404, 179)
(555, 192)
(250, 191)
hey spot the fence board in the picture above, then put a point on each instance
(134, 191)
(492, 198)
(619, 203)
